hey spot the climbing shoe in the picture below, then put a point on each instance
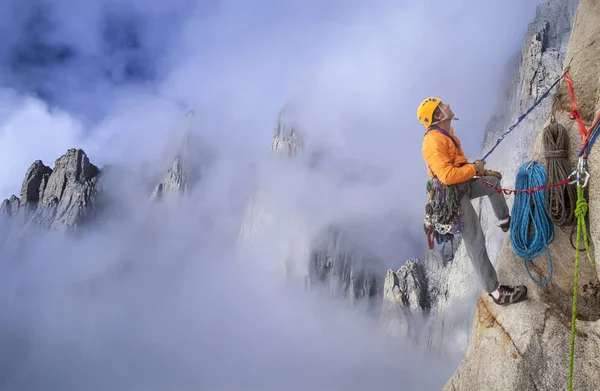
(505, 224)
(510, 295)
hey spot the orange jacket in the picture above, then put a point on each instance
(444, 159)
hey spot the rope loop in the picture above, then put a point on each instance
(532, 230)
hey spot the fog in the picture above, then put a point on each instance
(158, 298)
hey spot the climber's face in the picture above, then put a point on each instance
(447, 109)
(443, 110)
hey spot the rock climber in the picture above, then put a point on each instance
(445, 160)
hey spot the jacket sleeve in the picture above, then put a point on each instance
(435, 153)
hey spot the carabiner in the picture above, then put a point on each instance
(574, 175)
(587, 177)
(582, 171)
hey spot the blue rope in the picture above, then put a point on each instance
(588, 145)
(522, 117)
(531, 209)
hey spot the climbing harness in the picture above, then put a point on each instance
(529, 210)
(442, 213)
(522, 116)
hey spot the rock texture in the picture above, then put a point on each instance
(430, 295)
(345, 271)
(62, 198)
(406, 300)
(175, 181)
(529, 342)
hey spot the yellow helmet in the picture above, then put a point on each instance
(426, 109)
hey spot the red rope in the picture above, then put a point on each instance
(528, 191)
(574, 114)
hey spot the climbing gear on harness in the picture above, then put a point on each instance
(530, 210)
(522, 116)
(442, 213)
(560, 201)
(510, 295)
(442, 209)
(426, 109)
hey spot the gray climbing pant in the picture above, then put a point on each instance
(472, 233)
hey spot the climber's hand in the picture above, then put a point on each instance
(493, 173)
(479, 167)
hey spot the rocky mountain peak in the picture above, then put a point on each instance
(60, 198)
(185, 157)
(175, 180)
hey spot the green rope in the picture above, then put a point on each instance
(580, 212)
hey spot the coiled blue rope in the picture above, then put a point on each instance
(527, 210)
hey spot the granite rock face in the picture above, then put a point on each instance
(529, 342)
(406, 300)
(416, 299)
(345, 271)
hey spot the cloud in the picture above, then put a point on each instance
(116, 79)
(26, 130)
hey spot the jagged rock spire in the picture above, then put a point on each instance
(183, 170)
(286, 139)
